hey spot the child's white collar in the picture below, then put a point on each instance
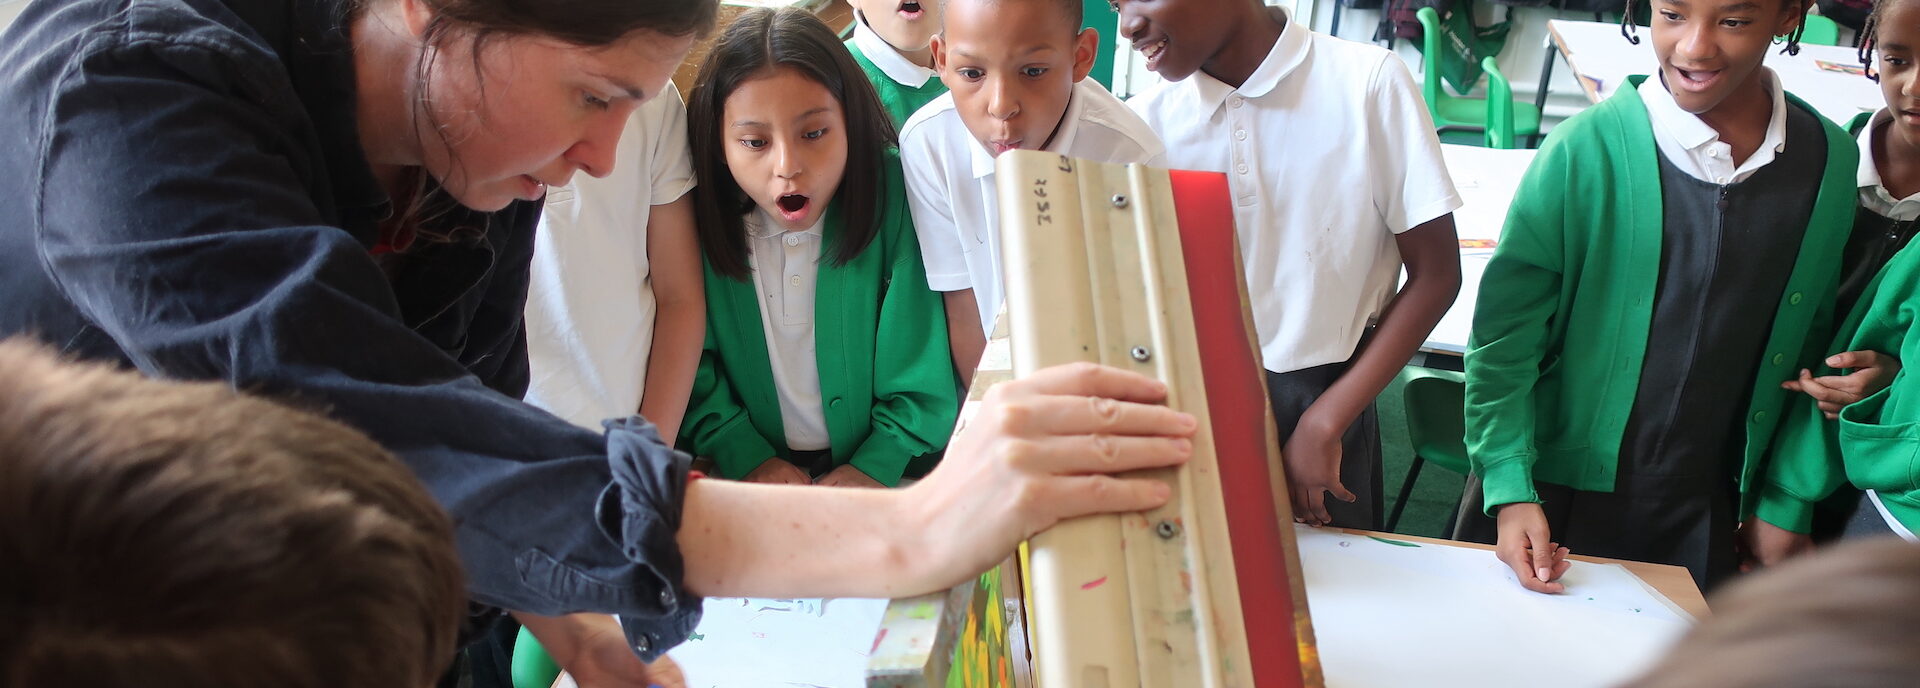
(888, 58)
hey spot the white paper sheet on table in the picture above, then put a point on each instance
(1388, 615)
(761, 643)
(1486, 179)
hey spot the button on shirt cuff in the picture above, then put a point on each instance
(649, 485)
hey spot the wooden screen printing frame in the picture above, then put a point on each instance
(1206, 591)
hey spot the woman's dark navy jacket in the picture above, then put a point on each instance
(182, 189)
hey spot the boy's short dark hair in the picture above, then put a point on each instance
(1841, 618)
(162, 534)
(1073, 10)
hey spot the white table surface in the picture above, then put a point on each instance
(1486, 179)
(1603, 60)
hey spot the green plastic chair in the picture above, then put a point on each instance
(1436, 427)
(1455, 113)
(1820, 31)
(1500, 128)
(532, 666)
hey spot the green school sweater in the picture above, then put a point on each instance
(880, 335)
(1560, 329)
(899, 99)
(1876, 442)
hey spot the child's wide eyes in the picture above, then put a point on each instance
(969, 73)
(753, 144)
(1034, 72)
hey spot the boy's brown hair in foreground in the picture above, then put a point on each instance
(1840, 618)
(163, 534)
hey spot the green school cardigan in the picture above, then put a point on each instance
(900, 100)
(880, 335)
(1560, 329)
(1875, 443)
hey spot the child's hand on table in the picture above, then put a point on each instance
(1525, 544)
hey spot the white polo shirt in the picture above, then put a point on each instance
(888, 58)
(1873, 194)
(1329, 152)
(590, 305)
(786, 270)
(950, 183)
(1695, 148)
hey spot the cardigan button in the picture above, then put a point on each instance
(1779, 359)
(835, 403)
(1759, 416)
(1794, 298)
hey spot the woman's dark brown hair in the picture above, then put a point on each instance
(759, 41)
(173, 535)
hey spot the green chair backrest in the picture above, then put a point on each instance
(1436, 416)
(1820, 31)
(1430, 51)
(1499, 107)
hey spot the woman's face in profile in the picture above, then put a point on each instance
(526, 112)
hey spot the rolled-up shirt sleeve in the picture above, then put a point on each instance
(180, 210)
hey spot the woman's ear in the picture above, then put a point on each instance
(416, 17)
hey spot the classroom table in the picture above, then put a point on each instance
(1485, 179)
(1394, 610)
(1672, 582)
(1827, 77)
